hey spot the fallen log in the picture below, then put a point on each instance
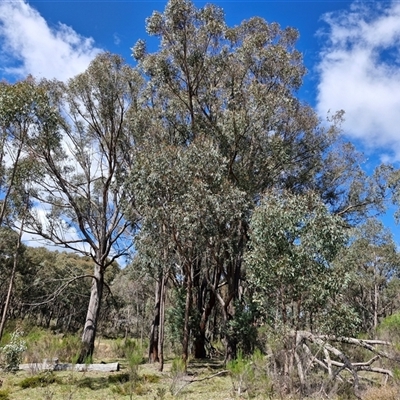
(56, 366)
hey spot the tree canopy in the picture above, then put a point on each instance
(238, 201)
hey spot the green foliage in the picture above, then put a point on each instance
(294, 239)
(372, 264)
(241, 327)
(178, 366)
(241, 373)
(12, 352)
(178, 371)
(390, 327)
(343, 320)
(250, 375)
(175, 317)
(134, 356)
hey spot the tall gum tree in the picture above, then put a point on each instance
(25, 113)
(80, 188)
(220, 124)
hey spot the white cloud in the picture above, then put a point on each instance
(359, 72)
(29, 46)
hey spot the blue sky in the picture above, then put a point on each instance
(351, 50)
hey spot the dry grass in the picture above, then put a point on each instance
(382, 393)
(98, 386)
(202, 382)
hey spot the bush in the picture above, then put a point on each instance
(250, 375)
(12, 352)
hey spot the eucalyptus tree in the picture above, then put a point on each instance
(373, 262)
(11, 251)
(294, 240)
(22, 109)
(82, 164)
(24, 114)
(219, 125)
(289, 264)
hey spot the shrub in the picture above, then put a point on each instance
(12, 352)
(250, 375)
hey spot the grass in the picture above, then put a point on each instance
(152, 385)
(205, 380)
(112, 386)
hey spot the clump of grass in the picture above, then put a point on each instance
(178, 371)
(382, 393)
(126, 389)
(44, 344)
(39, 380)
(123, 348)
(160, 393)
(5, 394)
(150, 378)
(118, 378)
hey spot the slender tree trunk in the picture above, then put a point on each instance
(12, 278)
(376, 302)
(92, 316)
(200, 340)
(234, 276)
(230, 340)
(153, 346)
(162, 323)
(8, 298)
(188, 306)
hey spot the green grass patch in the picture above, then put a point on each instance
(5, 394)
(40, 380)
(118, 378)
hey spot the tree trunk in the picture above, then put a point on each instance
(8, 298)
(153, 346)
(200, 340)
(376, 302)
(11, 283)
(188, 306)
(162, 319)
(92, 316)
